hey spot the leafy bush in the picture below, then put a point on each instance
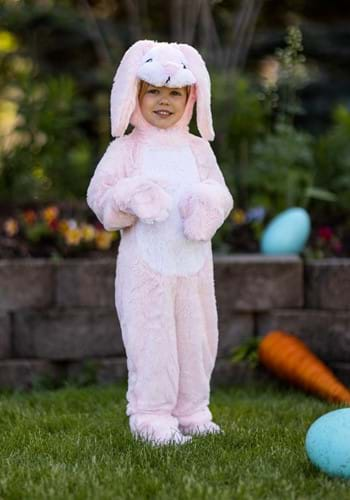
(47, 155)
(332, 158)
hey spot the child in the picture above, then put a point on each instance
(162, 188)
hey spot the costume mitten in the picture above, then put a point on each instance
(143, 198)
(204, 210)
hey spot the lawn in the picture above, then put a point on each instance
(74, 443)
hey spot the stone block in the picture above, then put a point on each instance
(327, 284)
(258, 282)
(85, 282)
(67, 333)
(234, 329)
(342, 371)
(100, 370)
(26, 283)
(5, 335)
(227, 373)
(327, 333)
(23, 373)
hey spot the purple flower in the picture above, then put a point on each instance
(255, 214)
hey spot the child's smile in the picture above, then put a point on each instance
(162, 107)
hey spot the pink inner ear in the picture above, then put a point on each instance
(198, 68)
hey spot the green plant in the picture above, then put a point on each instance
(291, 76)
(247, 352)
(281, 170)
(46, 155)
(332, 158)
(242, 117)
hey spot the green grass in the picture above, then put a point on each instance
(74, 443)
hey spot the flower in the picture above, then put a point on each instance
(50, 213)
(72, 223)
(325, 233)
(88, 232)
(103, 240)
(54, 224)
(238, 216)
(11, 227)
(30, 216)
(269, 68)
(256, 214)
(62, 226)
(336, 245)
(73, 236)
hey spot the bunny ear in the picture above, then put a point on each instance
(199, 69)
(124, 89)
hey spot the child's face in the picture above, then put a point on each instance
(163, 106)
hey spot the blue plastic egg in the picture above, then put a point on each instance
(328, 443)
(287, 233)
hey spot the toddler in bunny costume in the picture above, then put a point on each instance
(161, 186)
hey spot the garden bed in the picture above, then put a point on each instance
(71, 230)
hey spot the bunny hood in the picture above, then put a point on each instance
(168, 64)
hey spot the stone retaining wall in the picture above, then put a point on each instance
(58, 318)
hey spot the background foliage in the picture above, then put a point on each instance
(57, 61)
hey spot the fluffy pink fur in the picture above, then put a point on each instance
(169, 328)
(168, 319)
(205, 209)
(142, 197)
(124, 90)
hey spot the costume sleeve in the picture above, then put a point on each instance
(213, 186)
(107, 188)
(205, 208)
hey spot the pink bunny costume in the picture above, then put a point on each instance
(164, 190)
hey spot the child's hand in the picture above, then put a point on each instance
(148, 201)
(201, 216)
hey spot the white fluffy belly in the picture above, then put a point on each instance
(162, 244)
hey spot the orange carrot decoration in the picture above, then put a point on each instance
(290, 359)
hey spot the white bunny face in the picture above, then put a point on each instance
(160, 64)
(165, 65)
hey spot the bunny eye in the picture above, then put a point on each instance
(184, 65)
(149, 60)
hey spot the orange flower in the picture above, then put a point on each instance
(11, 227)
(103, 240)
(63, 226)
(30, 216)
(50, 214)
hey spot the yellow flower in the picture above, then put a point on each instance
(103, 240)
(88, 232)
(238, 216)
(63, 226)
(11, 227)
(73, 236)
(8, 42)
(50, 214)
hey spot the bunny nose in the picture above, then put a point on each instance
(171, 68)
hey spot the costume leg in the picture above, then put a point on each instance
(197, 337)
(145, 306)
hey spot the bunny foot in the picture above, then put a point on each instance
(201, 429)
